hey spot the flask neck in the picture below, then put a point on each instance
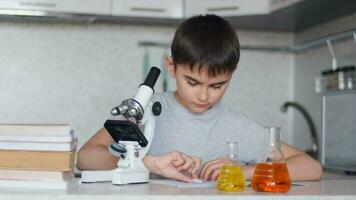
(273, 143)
(276, 155)
(232, 160)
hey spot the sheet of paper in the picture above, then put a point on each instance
(179, 184)
(208, 184)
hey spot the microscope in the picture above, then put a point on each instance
(132, 134)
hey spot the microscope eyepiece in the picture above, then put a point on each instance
(152, 77)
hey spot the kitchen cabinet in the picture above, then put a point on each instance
(150, 9)
(66, 6)
(226, 7)
(279, 4)
(235, 7)
(277, 15)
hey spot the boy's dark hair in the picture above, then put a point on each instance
(206, 41)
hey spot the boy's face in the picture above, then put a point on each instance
(195, 89)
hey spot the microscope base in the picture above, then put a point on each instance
(123, 178)
(97, 176)
(117, 178)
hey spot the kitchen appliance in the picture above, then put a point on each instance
(338, 141)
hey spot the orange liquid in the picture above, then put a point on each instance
(271, 178)
(231, 179)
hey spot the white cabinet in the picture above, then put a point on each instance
(70, 6)
(279, 4)
(148, 8)
(226, 7)
(167, 9)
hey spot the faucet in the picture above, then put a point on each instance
(315, 145)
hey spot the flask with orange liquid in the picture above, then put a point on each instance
(231, 178)
(271, 175)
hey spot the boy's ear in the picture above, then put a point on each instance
(168, 61)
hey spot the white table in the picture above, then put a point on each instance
(332, 186)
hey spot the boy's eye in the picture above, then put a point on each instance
(192, 83)
(216, 87)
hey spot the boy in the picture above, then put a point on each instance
(194, 125)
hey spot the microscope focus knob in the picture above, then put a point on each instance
(117, 149)
(156, 108)
(115, 111)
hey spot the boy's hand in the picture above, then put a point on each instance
(190, 166)
(211, 169)
(174, 165)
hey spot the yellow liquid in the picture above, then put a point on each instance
(231, 179)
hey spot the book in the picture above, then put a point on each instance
(57, 185)
(35, 175)
(37, 160)
(26, 138)
(35, 129)
(38, 145)
(37, 138)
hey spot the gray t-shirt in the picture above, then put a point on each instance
(204, 135)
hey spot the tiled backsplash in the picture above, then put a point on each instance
(75, 73)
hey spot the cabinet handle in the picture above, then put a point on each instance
(37, 4)
(225, 8)
(157, 10)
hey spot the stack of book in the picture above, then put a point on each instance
(37, 155)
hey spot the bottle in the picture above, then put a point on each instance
(231, 178)
(271, 175)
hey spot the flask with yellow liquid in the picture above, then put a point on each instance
(271, 175)
(231, 178)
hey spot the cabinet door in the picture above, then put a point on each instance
(71, 6)
(226, 7)
(279, 4)
(148, 8)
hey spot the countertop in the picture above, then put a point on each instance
(332, 186)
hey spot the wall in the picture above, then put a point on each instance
(75, 73)
(261, 82)
(309, 64)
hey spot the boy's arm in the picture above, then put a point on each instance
(94, 155)
(301, 166)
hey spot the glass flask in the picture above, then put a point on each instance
(271, 175)
(231, 178)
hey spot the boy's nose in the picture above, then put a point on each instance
(203, 96)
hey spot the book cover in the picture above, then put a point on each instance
(35, 175)
(57, 185)
(37, 138)
(37, 160)
(35, 129)
(38, 145)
